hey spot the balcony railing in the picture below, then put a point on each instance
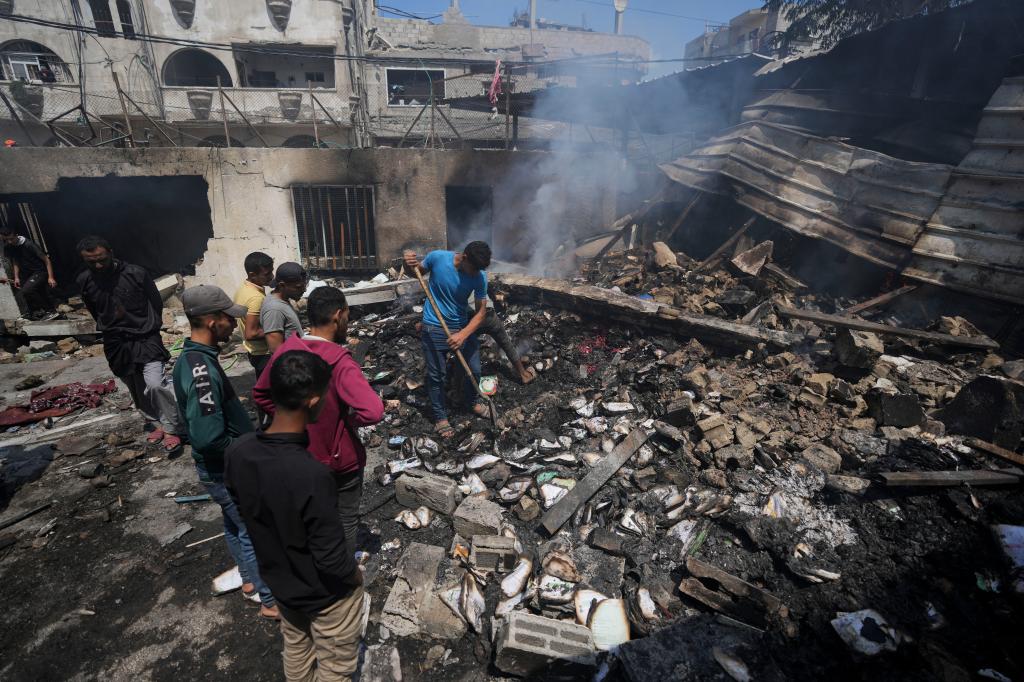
(259, 105)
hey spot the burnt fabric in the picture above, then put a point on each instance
(56, 402)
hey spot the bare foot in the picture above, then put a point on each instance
(481, 410)
(155, 436)
(271, 612)
(444, 429)
(528, 375)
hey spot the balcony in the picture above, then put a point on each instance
(260, 105)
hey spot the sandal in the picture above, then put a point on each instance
(171, 442)
(481, 411)
(155, 436)
(444, 429)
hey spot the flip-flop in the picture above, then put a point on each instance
(446, 431)
(156, 436)
(171, 442)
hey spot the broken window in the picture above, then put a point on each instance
(124, 13)
(412, 87)
(302, 64)
(336, 227)
(102, 18)
(23, 60)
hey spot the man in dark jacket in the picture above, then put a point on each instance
(288, 501)
(350, 402)
(32, 274)
(128, 310)
(215, 417)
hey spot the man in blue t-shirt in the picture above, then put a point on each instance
(453, 278)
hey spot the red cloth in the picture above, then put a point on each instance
(495, 90)
(350, 403)
(56, 402)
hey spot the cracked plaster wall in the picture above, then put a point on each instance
(251, 202)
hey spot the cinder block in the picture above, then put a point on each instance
(477, 516)
(493, 553)
(529, 645)
(416, 488)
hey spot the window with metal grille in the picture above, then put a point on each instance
(124, 13)
(336, 226)
(102, 18)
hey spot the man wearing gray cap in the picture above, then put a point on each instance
(215, 417)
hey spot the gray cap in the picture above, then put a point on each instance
(205, 299)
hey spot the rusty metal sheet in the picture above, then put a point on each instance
(870, 204)
(975, 240)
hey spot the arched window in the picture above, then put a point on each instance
(300, 142)
(193, 67)
(23, 60)
(218, 141)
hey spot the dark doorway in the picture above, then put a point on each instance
(160, 223)
(470, 213)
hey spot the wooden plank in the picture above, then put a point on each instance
(682, 217)
(720, 252)
(878, 300)
(24, 515)
(783, 276)
(976, 342)
(736, 586)
(939, 479)
(380, 293)
(590, 300)
(995, 450)
(563, 510)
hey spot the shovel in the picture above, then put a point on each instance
(458, 353)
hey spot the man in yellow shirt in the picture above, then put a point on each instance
(259, 269)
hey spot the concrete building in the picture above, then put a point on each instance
(754, 31)
(289, 71)
(199, 211)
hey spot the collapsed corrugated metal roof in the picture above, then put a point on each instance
(915, 90)
(954, 226)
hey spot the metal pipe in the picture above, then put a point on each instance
(618, 22)
(533, 13)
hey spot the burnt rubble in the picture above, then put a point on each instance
(666, 507)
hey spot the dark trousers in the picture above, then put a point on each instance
(436, 352)
(350, 495)
(495, 328)
(35, 293)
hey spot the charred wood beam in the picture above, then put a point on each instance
(947, 479)
(594, 301)
(974, 342)
(563, 510)
(878, 300)
(720, 252)
(995, 450)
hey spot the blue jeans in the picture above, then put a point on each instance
(436, 352)
(235, 534)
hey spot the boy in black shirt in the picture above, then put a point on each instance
(290, 505)
(32, 273)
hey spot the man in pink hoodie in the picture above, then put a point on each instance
(349, 403)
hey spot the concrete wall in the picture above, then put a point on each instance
(251, 200)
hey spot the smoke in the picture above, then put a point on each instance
(550, 201)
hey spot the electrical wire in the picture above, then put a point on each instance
(407, 15)
(653, 11)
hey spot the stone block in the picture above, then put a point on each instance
(990, 408)
(416, 488)
(894, 409)
(417, 573)
(823, 458)
(858, 349)
(477, 516)
(437, 620)
(529, 646)
(493, 553)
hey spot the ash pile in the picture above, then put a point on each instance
(711, 478)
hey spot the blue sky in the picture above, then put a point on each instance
(667, 34)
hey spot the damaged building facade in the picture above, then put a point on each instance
(269, 73)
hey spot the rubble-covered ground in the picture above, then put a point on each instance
(760, 463)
